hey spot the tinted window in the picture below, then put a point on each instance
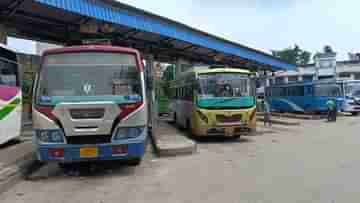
(295, 91)
(8, 73)
(327, 90)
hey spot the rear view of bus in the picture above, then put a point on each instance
(89, 104)
(10, 95)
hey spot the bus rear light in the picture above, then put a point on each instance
(129, 108)
(47, 111)
(57, 153)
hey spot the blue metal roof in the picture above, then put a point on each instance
(107, 12)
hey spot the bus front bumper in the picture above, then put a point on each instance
(351, 108)
(224, 130)
(79, 153)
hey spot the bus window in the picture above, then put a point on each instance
(296, 91)
(326, 90)
(8, 73)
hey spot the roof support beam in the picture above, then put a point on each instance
(14, 7)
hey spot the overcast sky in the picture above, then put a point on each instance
(267, 24)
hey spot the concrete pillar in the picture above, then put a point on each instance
(267, 82)
(3, 34)
(315, 77)
(352, 76)
(286, 79)
(151, 94)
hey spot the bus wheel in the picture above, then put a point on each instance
(188, 127)
(134, 162)
(237, 137)
(174, 118)
(354, 113)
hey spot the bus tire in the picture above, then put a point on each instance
(354, 113)
(237, 137)
(134, 162)
(188, 127)
(62, 165)
(175, 118)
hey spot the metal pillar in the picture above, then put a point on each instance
(3, 34)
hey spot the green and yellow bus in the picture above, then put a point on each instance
(215, 102)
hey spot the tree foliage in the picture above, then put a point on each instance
(327, 49)
(294, 55)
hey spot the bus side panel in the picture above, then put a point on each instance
(10, 119)
(281, 104)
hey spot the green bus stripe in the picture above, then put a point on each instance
(9, 108)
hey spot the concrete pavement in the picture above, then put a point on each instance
(314, 162)
(170, 141)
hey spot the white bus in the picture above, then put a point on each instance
(351, 90)
(89, 104)
(10, 95)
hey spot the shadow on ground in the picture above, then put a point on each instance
(96, 169)
(220, 139)
(10, 143)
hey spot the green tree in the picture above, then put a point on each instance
(327, 49)
(294, 55)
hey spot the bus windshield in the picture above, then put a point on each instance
(89, 76)
(225, 90)
(352, 89)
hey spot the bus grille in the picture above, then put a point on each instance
(89, 139)
(87, 113)
(229, 119)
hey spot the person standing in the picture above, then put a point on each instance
(267, 113)
(331, 105)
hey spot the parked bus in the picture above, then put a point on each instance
(90, 104)
(351, 89)
(308, 97)
(10, 95)
(215, 102)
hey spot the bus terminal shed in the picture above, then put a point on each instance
(73, 22)
(69, 22)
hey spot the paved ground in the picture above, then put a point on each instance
(315, 162)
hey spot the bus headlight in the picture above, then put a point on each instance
(128, 132)
(202, 116)
(50, 136)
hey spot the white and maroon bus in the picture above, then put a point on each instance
(89, 104)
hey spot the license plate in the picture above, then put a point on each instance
(88, 152)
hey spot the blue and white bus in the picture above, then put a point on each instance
(307, 97)
(351, 89)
